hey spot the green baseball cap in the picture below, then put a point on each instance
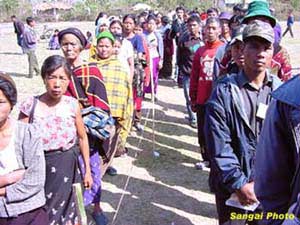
(259, 29)
(106, 34)
(259, 8)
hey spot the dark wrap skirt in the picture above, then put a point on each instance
(61, 172)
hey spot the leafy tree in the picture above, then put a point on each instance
(295, 4)
(9, 6)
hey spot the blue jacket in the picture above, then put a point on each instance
(278, 150)
(231, 143)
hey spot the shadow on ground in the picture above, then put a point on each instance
(172, 191)
(13, 74)
(151, 203)
(11, 53)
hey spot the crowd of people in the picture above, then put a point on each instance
(240, 96)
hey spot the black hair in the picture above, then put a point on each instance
(13, 17)
(88, 33)
(116, 21)
(29, 20)
(237, 7)
(179, 8)
(194, 18)
(144, 13)
(100, 15)
(235, 19)
(211, 10)
(151, 17)
(140, 24)
(130, 16)
(53, 63)
(7, 86)
(56, 30)
(165, 20)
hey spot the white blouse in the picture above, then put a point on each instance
(8, 158)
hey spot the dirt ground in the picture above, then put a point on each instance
(149, 189)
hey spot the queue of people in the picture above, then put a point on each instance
(231, 68)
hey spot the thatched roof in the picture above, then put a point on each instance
(52, 5)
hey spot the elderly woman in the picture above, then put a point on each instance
(86, 77)
(22, 165)
(63, 136)
(118, 86)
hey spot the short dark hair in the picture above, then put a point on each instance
(237, 7)
(194, 18)
(53, 63)
(151, 17)
(13, 17)
(211, 10)
(179, 8)
(29, 20)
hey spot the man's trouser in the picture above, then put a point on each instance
(201, 136)
(33, 63)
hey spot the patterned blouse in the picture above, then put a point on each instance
(59, 130)
(281, 64)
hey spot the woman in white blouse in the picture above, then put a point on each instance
(22, 165)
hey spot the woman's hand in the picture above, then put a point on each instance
(11, 178)
(160, 64)
(87, 180)
(15, 176)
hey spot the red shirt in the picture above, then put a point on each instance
(202, 72)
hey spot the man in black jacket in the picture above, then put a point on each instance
(19, 29)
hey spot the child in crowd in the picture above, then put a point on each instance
(89, 39)
(53, 42)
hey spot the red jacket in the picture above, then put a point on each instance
(202, 72)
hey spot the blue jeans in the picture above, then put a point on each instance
(186, 90)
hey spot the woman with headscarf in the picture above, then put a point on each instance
(22, 165)
(63, 138)
(88, 77)
(118, 86)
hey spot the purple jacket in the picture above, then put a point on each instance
(29, 38)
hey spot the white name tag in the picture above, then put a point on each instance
(262, 111)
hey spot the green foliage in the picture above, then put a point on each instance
(89, 9)
(295, 4)
(9, 6)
